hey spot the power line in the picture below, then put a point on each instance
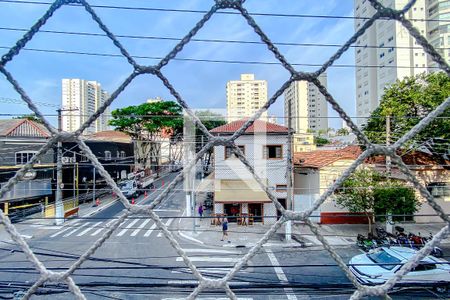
(146, 37)
(216, 60)
(159, 9)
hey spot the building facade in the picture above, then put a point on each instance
(81, 98)
(236, 192)
(309, 108)
(387, 52)
(245, 97)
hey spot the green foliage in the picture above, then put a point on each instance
(320, 141)
(408, 102)
(31, 117)
(148, 120)
(210, 119)
(396, 199)
(368, 191)
(342, 131)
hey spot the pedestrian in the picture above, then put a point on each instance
(224, 229)
(200, 210)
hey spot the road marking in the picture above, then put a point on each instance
(208, 258)
(166, 210)
(196, 282)
(203, 250)
(64, 230)
(89, 229)
(97, 231)
(150, 230)
(206, 270)
(128, 227)
(167, 225)
(210, 298)
(280, 274)
(190, 238)
(70, 233)
(136, 231)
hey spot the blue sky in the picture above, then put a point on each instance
(201, 84)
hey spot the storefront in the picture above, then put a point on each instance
(243, 201)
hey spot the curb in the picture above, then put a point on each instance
(190, 238)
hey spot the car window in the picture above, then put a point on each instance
(424, 267)
(383, 258)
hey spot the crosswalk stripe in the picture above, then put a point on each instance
(196, 282)
(206, 271)
(208, 258)
(150, 230)
(136, 231)
(167, 224)
(64, 230)
(89, 229)
(205, 250)
(128, 227)
(96, 232)
(207, 298)
(73, 231)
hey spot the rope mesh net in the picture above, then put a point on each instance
(204, 283)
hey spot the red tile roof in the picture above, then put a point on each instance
(322, 158)
(413, 158)
(258, 126)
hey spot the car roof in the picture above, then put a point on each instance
(405, 254)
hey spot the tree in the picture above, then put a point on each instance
(210, 120)
(368, 191)
(31, 117)
(342, 131)
(148, 124)
(407, 102)
(356, 193)
(320, 141)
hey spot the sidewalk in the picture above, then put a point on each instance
(248, 236)
(345, 234)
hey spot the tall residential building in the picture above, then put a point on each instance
(83, 98)
(309, 108)
(245, 97)
(387, 52)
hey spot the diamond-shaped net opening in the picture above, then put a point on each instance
(205, 283)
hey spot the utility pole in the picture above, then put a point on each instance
(288, 226)
(59, 207)
(388, 143)
(389, 222)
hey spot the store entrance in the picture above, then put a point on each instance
(256, 209)
(232, 210)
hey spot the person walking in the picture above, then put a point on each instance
(224, 229)
(200, 210)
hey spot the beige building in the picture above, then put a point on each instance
(83, 98)
(309, 108)
(391, 51)
(303, 142)
(245, 97)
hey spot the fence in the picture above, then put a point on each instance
(223, 283)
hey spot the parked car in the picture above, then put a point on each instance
(381, 264)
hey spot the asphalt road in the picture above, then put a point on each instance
(137, 262)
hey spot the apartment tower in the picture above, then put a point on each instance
(309, 109)
(83, 98)
(386, 52)
(245, 97)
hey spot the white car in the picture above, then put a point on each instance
(379, 265)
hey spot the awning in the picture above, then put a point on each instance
(239, 191)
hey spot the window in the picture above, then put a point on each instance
(229, 151)
(23, 157)
(439, 190)
(83, 157)
(281, 188)
(273, 152)
(384, 259)
(107, 155)
(122, 154)
(424, 267)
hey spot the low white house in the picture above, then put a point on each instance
(236, 193)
